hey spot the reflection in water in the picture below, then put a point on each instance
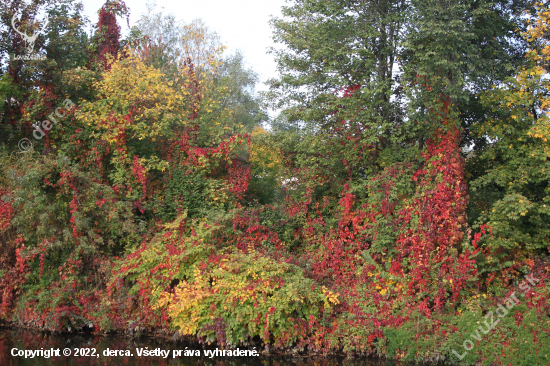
(25, 340)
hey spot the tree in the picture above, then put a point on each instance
(240, 100)
(168, 44)
(341, 48)
(171, 45)
(511, 172)
(388, 57)
(107, 36)
(381, 88)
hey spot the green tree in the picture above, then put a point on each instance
(241, 99)
(510, 189)
(363, 79)
(169, 45)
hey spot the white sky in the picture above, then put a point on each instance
(241, 24)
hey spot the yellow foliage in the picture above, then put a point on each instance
(242, 288)
(264, 158)
(183, 305)
(529, 88)
(130, 88)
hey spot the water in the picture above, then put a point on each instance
(95, 346)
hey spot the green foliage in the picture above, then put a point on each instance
(510, 174)
(517, 328)
(240, 100)
(266, 168)
(187, 189)
(8, 90)
(64, 43)
(386, 196)
(57, 200)
(252, 296)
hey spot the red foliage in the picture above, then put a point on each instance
(430, 268)
(108, 30)
(434, 220)
(6, 211)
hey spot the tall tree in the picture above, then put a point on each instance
(511, 172)
(245, 106)
(388, 57)
(168, 43)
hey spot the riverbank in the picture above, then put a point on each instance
(25, 340)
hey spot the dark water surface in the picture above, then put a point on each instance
(19, 341)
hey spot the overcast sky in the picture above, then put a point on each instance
(241, 24)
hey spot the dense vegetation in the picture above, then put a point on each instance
(393, 208)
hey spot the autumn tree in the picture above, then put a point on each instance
(107, 37)
(510, 173)
(168, 43)
(384, 56)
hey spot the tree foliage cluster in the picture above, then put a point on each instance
(402, 192)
